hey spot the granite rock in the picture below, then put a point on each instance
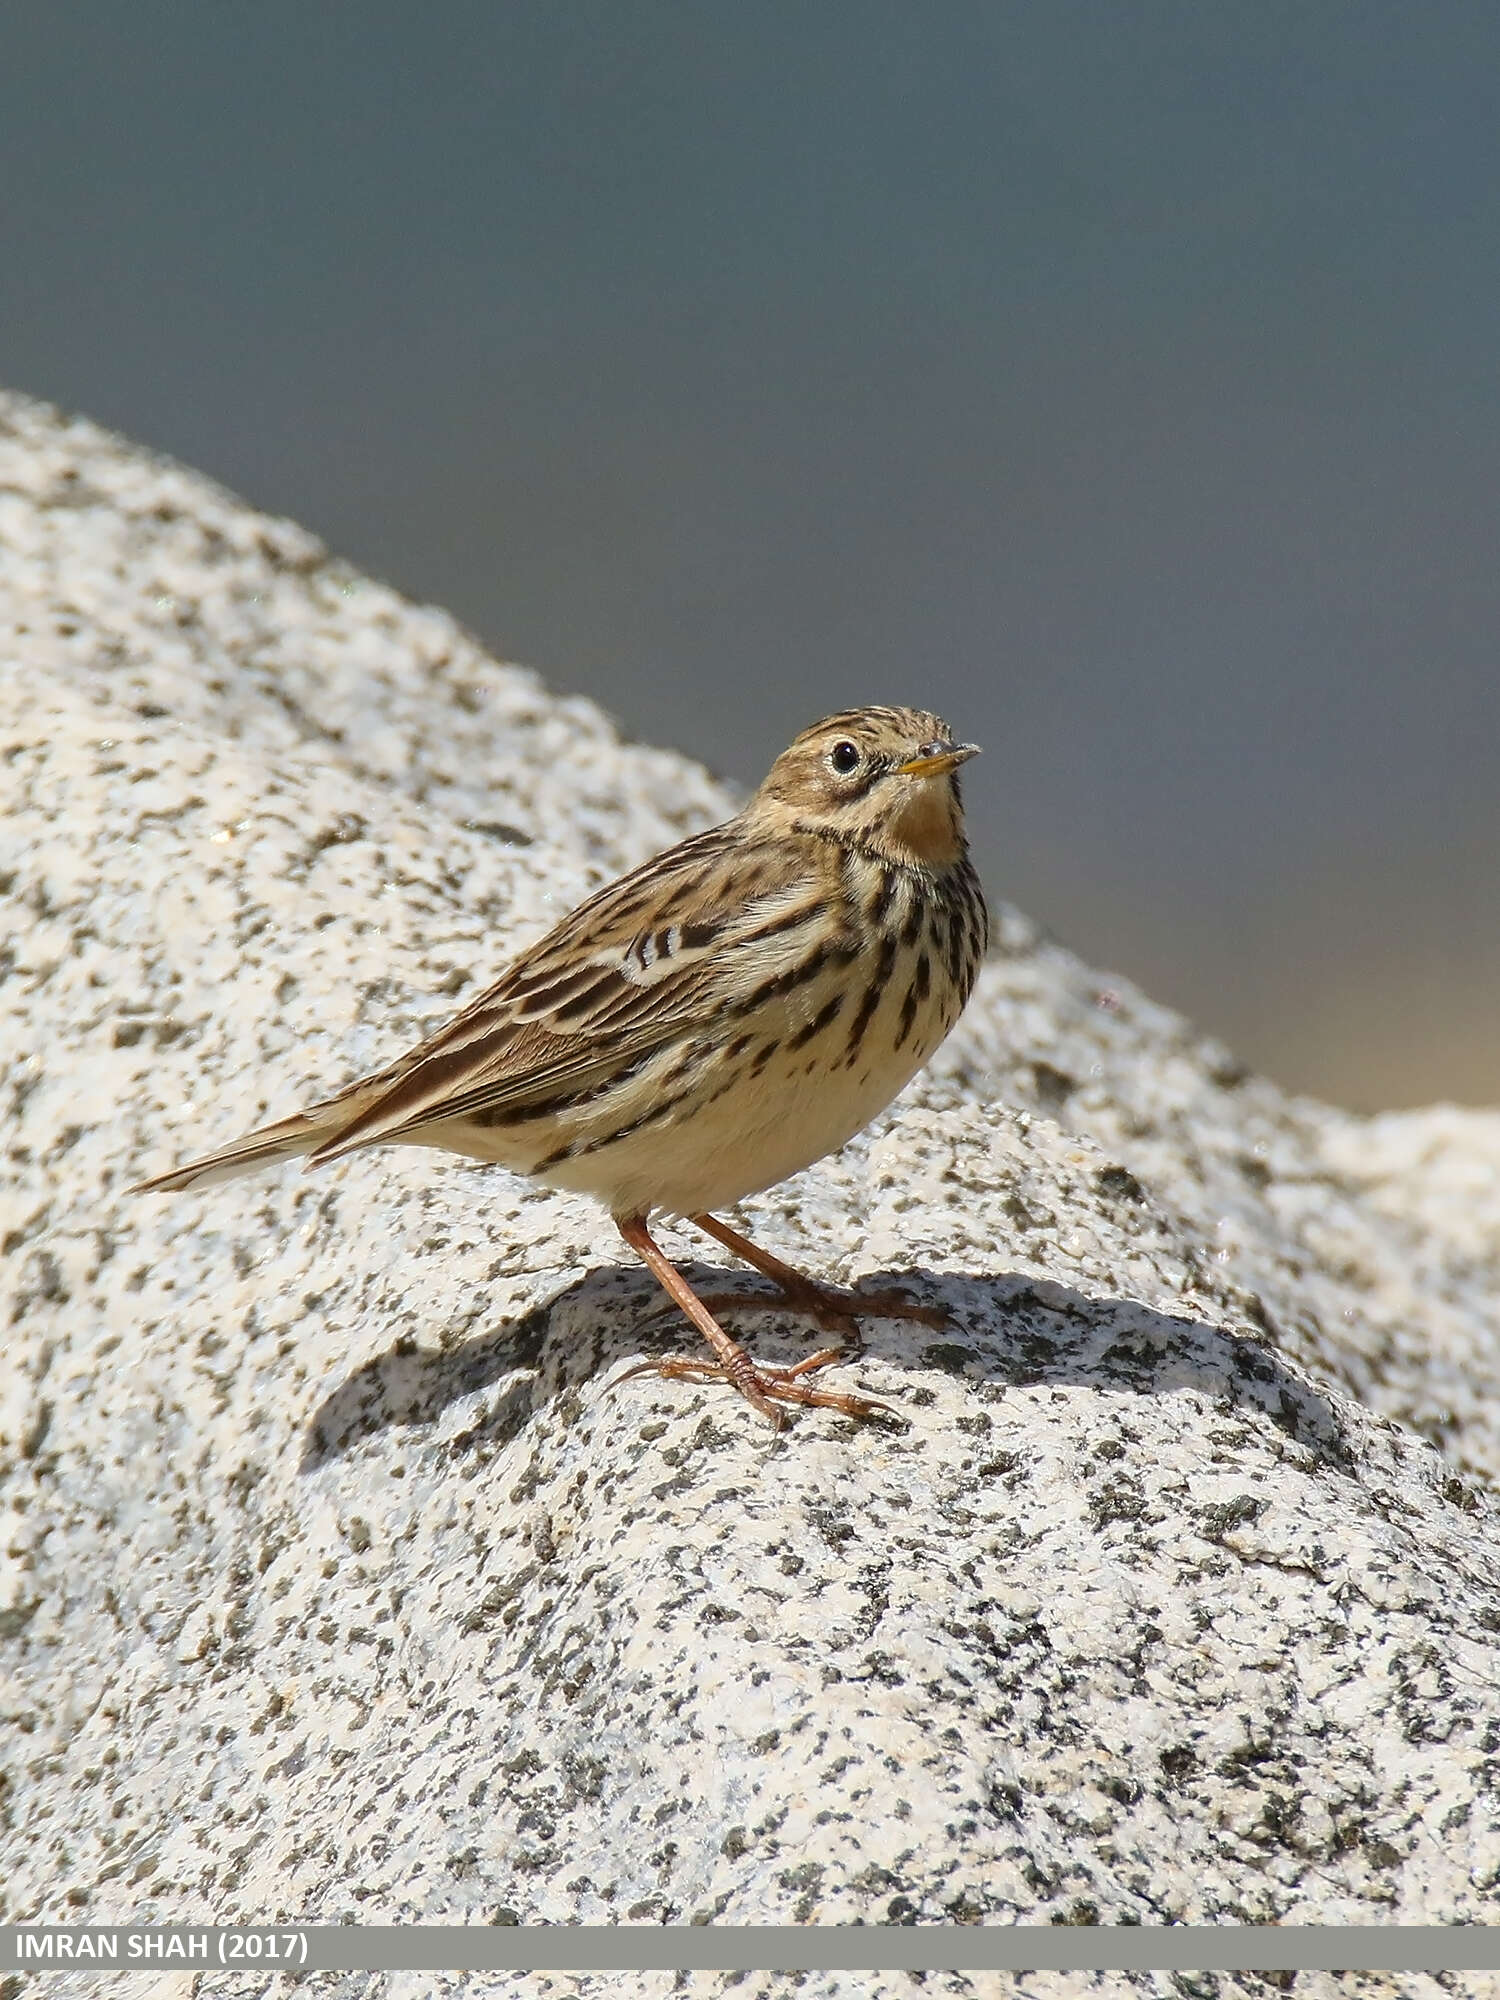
(342, 1580)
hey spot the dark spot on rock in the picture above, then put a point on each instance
(337, 833)
(1118, 1500)
(501, 830)
(1178, 1763)
(16, 1617)
(996, 1467)
(949, 1356)
(1223, 1515)
(1126, 1790)
(1053, 1086)
(1226, 1070)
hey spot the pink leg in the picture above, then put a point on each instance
(834, 1308)
(764, 1387)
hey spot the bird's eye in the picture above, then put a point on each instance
(844, 757)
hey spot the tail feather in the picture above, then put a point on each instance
(282, 1141)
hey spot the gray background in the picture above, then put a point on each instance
(1121, 381)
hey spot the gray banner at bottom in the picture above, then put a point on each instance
(655, 1948)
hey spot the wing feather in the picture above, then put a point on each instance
(651, 957)
(634, 967)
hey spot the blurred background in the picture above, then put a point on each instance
(1123, 382)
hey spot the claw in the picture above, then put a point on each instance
(765, 1387)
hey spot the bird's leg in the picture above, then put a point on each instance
(764, 1387)
(836, 1309)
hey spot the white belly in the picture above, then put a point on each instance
(767, 1128)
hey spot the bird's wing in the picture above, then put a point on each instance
(709, 931)
(694, 933)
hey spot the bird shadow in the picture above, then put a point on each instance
(1005, 1332)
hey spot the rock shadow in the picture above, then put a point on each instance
(1008, 1331)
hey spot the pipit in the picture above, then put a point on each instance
(709, 1024)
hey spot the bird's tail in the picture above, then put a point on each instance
(301, 1133)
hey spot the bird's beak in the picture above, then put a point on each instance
(937, 757)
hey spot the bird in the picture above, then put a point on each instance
(707, 1025)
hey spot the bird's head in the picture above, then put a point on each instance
(883, 779)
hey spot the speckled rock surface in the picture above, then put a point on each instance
(340, 1582)
(974, 1985)
(977, 1984)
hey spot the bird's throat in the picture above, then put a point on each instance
(926, 827)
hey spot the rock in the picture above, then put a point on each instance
(343, 1582)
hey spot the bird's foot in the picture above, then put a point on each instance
(764, 1386)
